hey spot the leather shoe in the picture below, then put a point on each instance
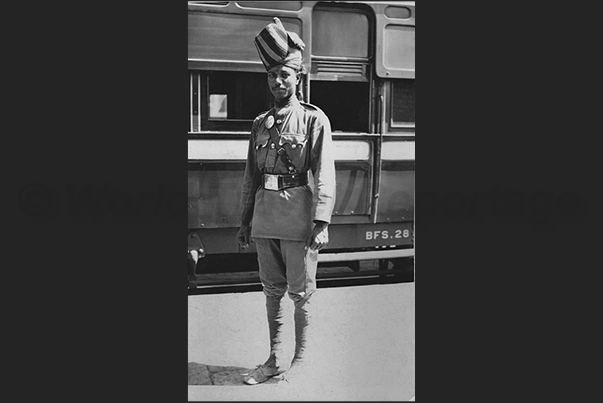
(260, 374)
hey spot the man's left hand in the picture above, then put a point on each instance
(319, 237)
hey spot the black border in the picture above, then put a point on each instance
(96, 305)
(504, 106)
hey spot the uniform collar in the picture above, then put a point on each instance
(282, 111)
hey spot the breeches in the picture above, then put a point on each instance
(286, 266)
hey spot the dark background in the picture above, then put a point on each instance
(96, 310)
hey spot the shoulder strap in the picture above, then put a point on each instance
(281, 150)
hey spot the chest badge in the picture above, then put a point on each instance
(269, 122)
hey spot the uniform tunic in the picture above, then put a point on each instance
(305, 132)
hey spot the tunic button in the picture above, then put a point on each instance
(293, 145)
(272, 145)
(278, 122)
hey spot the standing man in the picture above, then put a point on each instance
(288, 195)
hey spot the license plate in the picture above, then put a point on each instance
(386, 234)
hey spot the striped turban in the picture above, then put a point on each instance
(277, 46)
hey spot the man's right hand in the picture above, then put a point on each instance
(243, 237)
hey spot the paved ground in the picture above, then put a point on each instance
(364, 346)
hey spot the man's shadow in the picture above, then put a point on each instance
(201, 374)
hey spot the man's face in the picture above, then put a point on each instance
(282, 81)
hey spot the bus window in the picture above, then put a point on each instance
(352, 188)
(228, 100)
(396, 191)
(340, 69)
(272, 5)
(353, 163)
(403, 103)
(336, 25)
(244, 95)
(216, 38)
(397, 181)
(214, 191)
(345, 103)
(210, 3)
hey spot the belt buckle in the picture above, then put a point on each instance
(270, 182)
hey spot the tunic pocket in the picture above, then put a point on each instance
(296, 146)
(261, 148)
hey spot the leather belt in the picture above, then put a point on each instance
(280, 182)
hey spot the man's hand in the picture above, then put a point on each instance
(319, 237)
(243, 236)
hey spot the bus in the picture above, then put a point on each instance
(360, 64)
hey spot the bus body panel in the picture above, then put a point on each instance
(363, 81)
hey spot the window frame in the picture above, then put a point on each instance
(216, 124)
(390, 125)
(207, 124)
